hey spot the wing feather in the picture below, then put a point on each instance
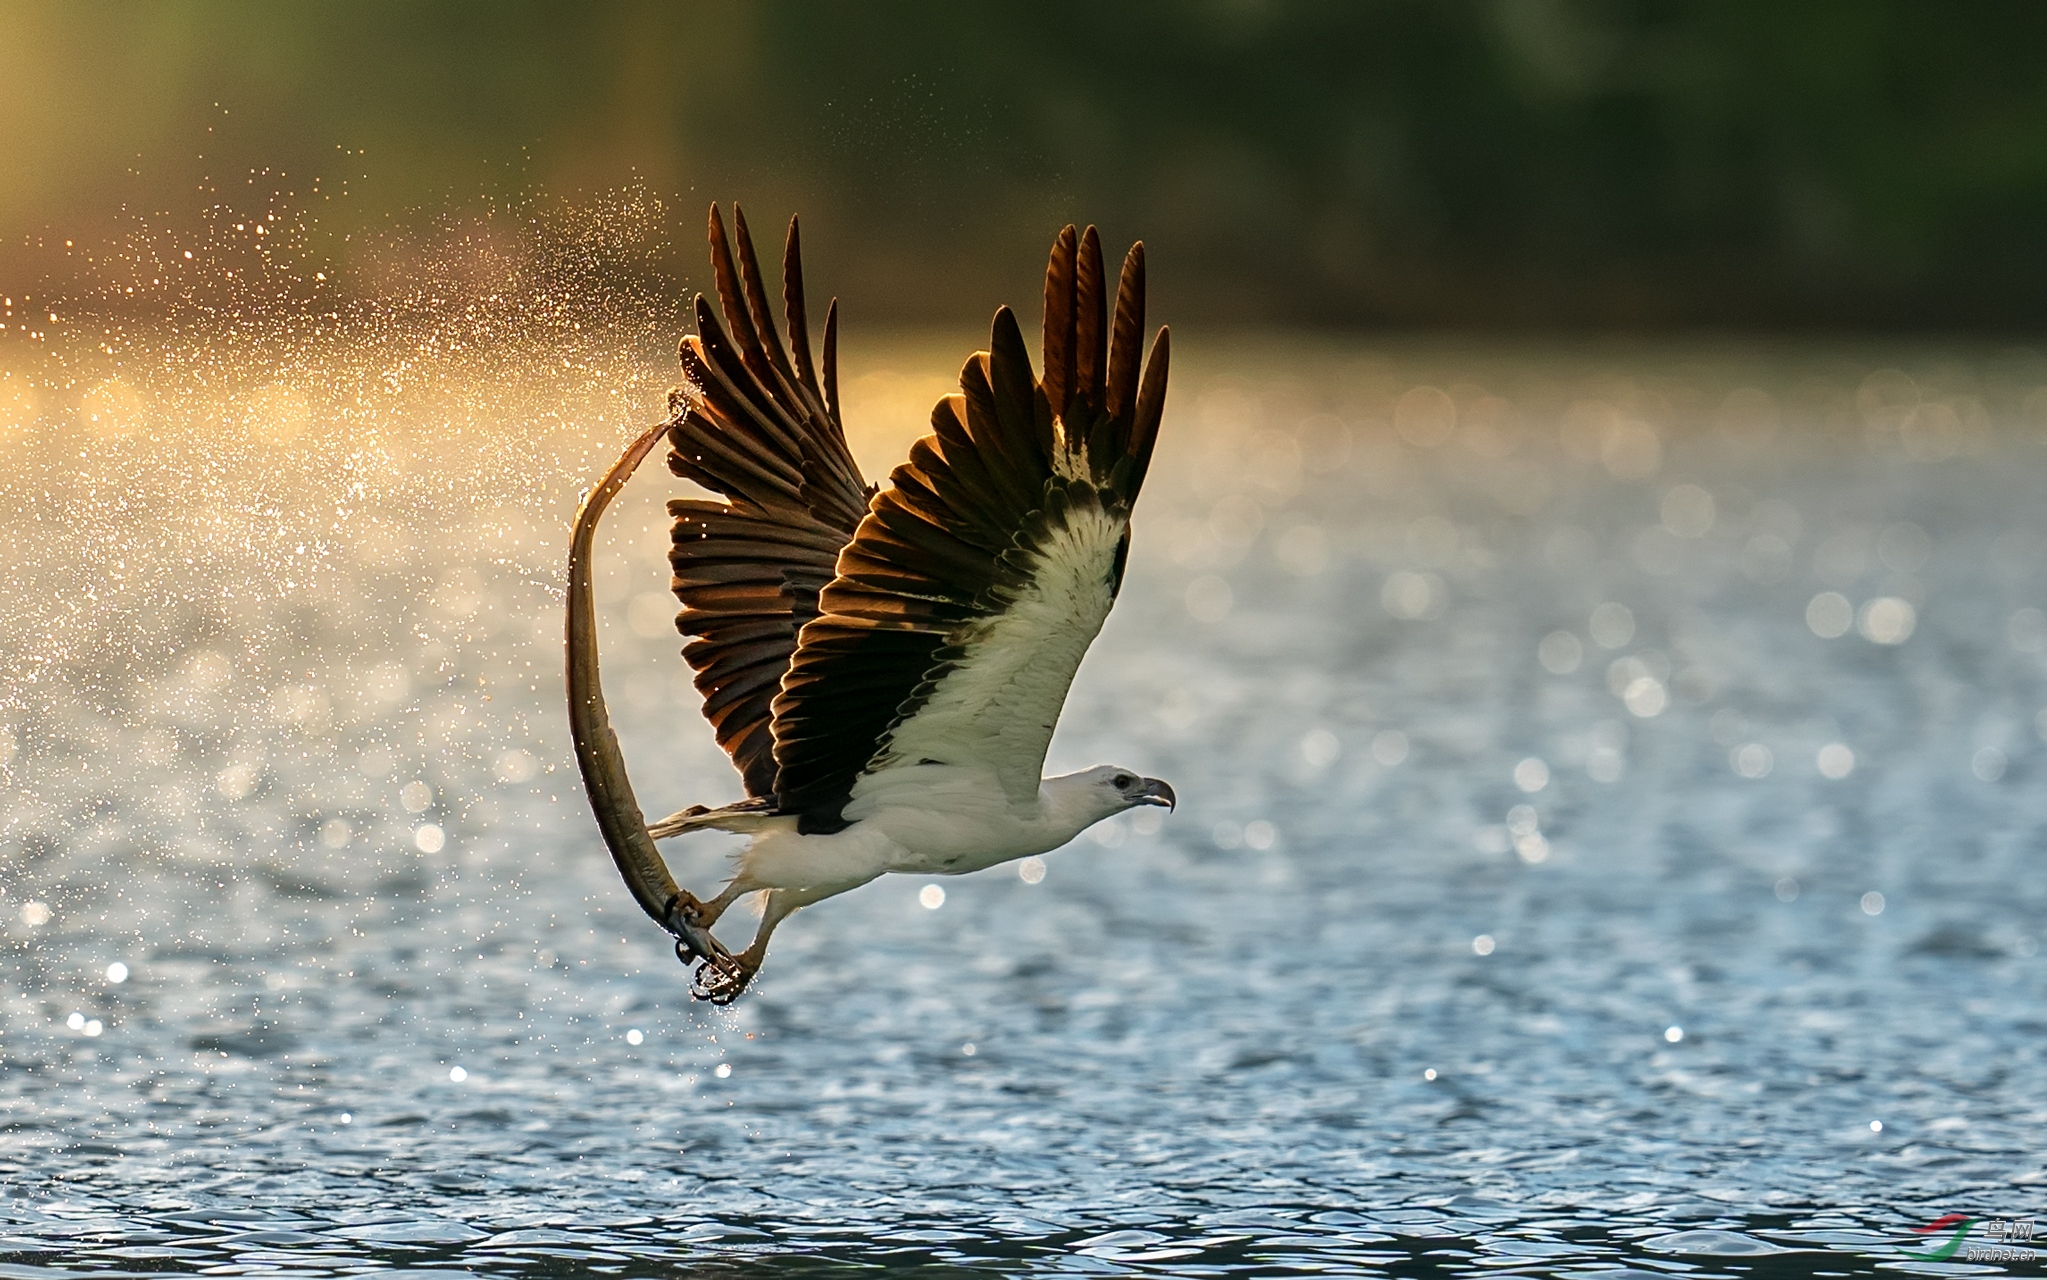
(1058, 329)
(975, 582)
(754, 426)
(798, 321)
(1126, 344)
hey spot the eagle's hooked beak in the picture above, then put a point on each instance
(1159, 793)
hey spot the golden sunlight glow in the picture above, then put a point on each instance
(112, 410)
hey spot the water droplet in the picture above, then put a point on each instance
(723, 1070)
(457, 1074)
(1482, 944)
(931, 897)
(117, 973)
(1531, 775)
(1031, 870)
(635, 1036)
(1673, 1034)
(1872, 903)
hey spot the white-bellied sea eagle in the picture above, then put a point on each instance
(884, 665)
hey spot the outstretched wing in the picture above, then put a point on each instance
(754, 424)
(976, 581)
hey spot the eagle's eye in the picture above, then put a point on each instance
(1121, 781)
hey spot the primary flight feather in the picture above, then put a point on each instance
(884, 666)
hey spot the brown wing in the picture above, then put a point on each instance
(754, 424)
(966, 530)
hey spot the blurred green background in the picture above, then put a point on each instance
(1589, 164)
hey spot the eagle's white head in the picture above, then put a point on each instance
(1085, 798)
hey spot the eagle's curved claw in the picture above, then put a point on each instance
(720, 981)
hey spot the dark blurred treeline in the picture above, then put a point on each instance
(1518, 163)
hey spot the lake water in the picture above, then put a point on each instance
(1548, 895)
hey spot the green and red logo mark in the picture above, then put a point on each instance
(1959, 1222)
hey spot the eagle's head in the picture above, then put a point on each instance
(1119, 789)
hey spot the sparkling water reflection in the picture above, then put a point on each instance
(1609, 845)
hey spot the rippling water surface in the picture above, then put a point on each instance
(1610, 838)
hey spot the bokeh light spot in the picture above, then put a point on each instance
(1829, 615)
(1688, 511)
(1425, 416)
(1613, 625)
(1836, 760)
(1887, 620)
(1560, 653)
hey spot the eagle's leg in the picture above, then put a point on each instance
(709, 913)
(722, 984)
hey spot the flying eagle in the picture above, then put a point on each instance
(884, 665)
